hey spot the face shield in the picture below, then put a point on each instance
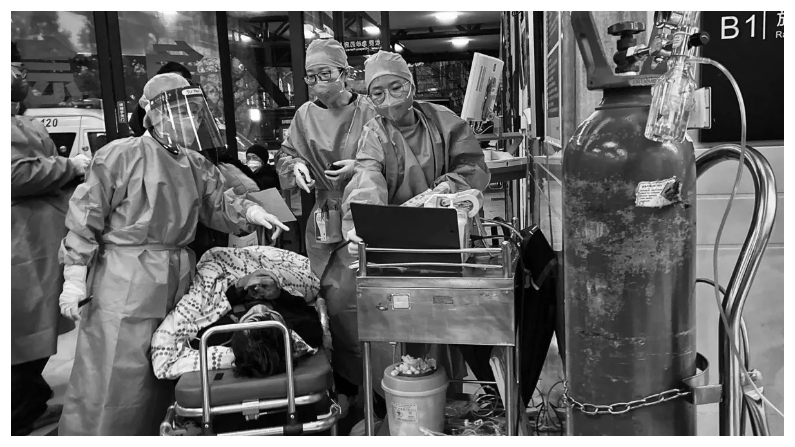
(181, 118)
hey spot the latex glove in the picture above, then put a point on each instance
(345, 171)
(353, 243)
(80, 162)
(258, 216)
(74, 291)
(275, 236)
(303, 178)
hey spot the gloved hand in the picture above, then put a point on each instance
(258, 216)
(80, 162)
(353, 243)
(74, 291)
(344, 172)
(303, 178)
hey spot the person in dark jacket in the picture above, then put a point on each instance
(137, 119)
(265, 175)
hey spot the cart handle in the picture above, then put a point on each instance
(434, 250)
(355, 265)
(205, 379)
(504, 251)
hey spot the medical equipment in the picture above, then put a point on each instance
(629, 195)
(482, 87)
(409, 303)
(205, 395)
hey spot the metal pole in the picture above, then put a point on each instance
(368, 392)
(506, 258)
(510, 379)
(730, 408)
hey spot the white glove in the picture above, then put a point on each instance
(303, 178)
(258, 216)
(80, 162)
(345, 171)
(353, 243)
(74, 291)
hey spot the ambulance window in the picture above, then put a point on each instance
(63, 142)
(96, 140)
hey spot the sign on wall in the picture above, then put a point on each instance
(552, 33)
(750, 44)
(355, 46)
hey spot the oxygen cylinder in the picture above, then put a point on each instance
(629, 228)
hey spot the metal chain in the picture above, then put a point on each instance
(622, 407)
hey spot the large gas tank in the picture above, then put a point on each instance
(629, 269)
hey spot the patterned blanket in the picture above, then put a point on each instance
(206, 302)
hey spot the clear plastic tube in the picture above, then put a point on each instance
(738, 177)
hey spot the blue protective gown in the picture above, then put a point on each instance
(130, 223)
(321, 136)
(390, 171)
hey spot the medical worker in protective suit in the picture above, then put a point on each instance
(41, 184)
(320, 149)
(409, 147)
(125, 254)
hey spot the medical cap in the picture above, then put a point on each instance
(386, 63)
(159, 84)
(325, 52)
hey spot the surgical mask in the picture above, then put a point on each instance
(328, 92)
(394, 109)
(254, 165)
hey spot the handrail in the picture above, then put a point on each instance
(504, 251)
(730, 409)
(205, 379)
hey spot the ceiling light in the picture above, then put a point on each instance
(255, 115)
(446, 16)
(460, 42)
(372, 30)
(398, 48)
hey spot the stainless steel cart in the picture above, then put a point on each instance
(395, 304)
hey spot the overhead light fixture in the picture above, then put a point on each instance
(446, 16)
(460, 42)
(398, 48)
(372, 30)
(244, 38)
(255, 115)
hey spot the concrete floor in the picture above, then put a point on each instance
(57, 375)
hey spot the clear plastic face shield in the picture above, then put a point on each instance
(182, 118)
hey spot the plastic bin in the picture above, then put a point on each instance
(414, 402)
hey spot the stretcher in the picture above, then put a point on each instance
(305, 388)
(412, 303)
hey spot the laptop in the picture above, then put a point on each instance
(391, 226)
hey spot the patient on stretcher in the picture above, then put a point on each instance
(243, 285)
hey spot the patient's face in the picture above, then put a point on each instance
(260, 286)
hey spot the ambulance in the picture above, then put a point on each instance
(74, 130)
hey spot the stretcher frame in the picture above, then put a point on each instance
(370, 289)
(253, 408)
